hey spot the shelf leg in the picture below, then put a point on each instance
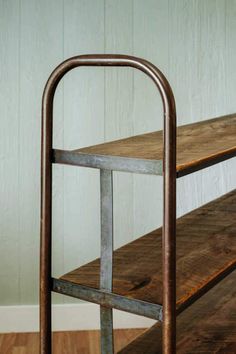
(169, 241)
(46, 227)
(45, 320)
(106, 188)
(45, 260)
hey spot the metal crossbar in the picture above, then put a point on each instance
(108, 299)
(115, 163)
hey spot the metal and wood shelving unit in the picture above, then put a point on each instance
(161, 274)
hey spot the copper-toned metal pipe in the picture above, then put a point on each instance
(169, 279)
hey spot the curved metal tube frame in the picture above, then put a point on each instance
(169, 172)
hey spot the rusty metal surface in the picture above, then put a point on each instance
(169, 280)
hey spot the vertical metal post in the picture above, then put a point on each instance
(169, 237)
(106, 189)
(46, 223)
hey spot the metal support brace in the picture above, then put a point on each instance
(106, 188)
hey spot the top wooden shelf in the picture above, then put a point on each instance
(199, 145)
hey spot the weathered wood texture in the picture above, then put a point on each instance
(197, 144)
(209, 326)
(206, 247)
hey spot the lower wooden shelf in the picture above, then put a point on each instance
(207, 327)
(206, 252)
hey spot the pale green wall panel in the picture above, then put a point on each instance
(119, 109)
(150, 42)
(192, 41)
(9, 152)
(83, 125)
(40, 51)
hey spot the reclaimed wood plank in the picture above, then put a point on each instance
(206, 248)
(209, 326)
(198, 144)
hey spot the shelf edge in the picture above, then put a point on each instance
(132, 165)
(115, 163)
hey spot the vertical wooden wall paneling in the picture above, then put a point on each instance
(193, 42)
(230, 47)
(150, 42)
(197, 67)
(58, 171)
(9, 152)
(40, 51)
(184, 74)
(230, 77)
(119, 108)
(212, 60)
(83, 125)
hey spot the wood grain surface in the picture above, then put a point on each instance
(76, 342)
(206, 248)
(199, 143)
(207, 327)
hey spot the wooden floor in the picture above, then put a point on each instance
(83, 342)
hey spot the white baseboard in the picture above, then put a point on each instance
(66, 317)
